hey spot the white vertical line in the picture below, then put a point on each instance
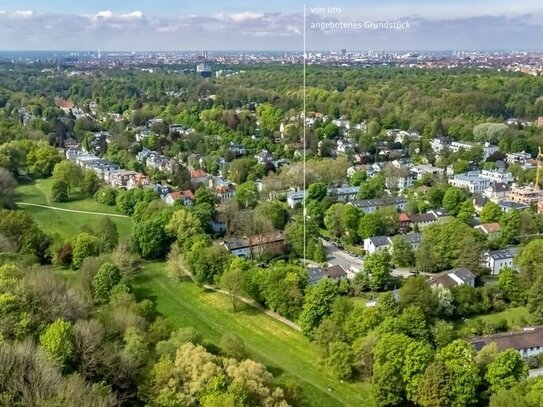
(304, 131)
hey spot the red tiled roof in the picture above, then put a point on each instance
(188, 194)
(403, 217)
(490, 227)
(198, 173)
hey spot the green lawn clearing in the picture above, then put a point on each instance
(286, 353)
(66, 223)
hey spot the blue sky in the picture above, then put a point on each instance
(266, 25)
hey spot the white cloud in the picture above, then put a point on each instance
(23, 13)
(241, 17)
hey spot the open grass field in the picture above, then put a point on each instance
(286, 353)
(66, 223)
(516, 319)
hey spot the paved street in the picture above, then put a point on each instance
(355, 264)
(342, 258)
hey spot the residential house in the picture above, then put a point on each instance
(404, 220)
(528, 342)
(490, 230)
(419, 171)
(451, 278)
(223, 189)
(138, 181)
(237, 149)
(264, 157)
(422, 220)
(497, 260)
(377, 243)
(438, 144)
(518, 158)
(343, 194)
(198, 176)
(249, 247)
(399, 178)
(472, 181)
(120, 179)
(497, 191)
(371, 205)
(414, 239)
(498, 176)
(488, 148)
(343, 146)
(479, 203)
(186, 197)
(161, 190)
(315, 274)
(335, 272)
(507, 206)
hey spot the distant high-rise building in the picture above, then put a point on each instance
(343, 52)
(204, 69)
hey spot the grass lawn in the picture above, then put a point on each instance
(515, 317)
(286, 353)
(66, 224)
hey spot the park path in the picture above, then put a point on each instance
(256, 305)
(115, 215)
(249, 302)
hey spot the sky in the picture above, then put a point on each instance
(139, 25)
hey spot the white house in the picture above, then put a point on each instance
(371, 205)
(451, 278)
(498, 176)
(518, 158)
(185, 197)
(497, 260)
(472, 181)
(376, 243)
(528, 342)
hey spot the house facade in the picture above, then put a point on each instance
(497, 260)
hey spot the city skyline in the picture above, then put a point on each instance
(242, 25)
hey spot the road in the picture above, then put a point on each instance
(54, 208)
(356, 264)
(336, 256)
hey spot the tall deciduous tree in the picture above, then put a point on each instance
(7, 188)
(233, 280)
(318, 304)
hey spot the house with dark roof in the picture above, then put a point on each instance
(422, 220)
(508, 206)
(376, 243)
(335, 272)
(414, 239)
(451, 278)
(497, 191)
(497, 260)
(528, 342)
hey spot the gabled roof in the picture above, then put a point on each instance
(379, 241)
(489, 228)
(198, 173)
(335, 272)
(423, 217)
(315, 274)
(528, 338)
(452, 278)
(413, 238)
(502, 254)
